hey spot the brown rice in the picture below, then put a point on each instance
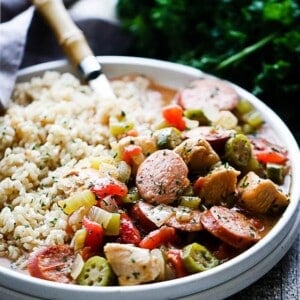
(54, 124)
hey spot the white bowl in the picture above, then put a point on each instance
(219, 282)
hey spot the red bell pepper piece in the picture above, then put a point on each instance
(129, 234)
(267, 152)
(158, 237)
(173, 114)
(95, 234)
(109, 186)
(129, 152)
(175, 258)
(270, 156)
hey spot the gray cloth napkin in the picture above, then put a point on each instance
(12, 40)
(26, 40)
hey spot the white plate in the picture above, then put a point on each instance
(219, 282)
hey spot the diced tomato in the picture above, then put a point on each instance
(173, 114)
(69, 230)
(267, 152)
(95, 234)
(270, 156)
(129, 234)
(129, 152)
(132, 132)
(198, 184)
(158, 237)
(175, 258)
(52, 263)
(109, 186)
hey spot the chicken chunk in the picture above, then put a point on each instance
(219, 186)
(197, 154)
(260, 195)
(133, 265)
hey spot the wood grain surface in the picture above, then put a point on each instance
(281, 283)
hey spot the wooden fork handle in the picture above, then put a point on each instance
(69, 36)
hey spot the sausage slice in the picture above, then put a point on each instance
(208, 90)
(162, 177)
(149, 216)
(260, 195)
(230, 226)
(186, 219)
(216, 136)
(52, 263)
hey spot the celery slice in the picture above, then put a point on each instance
(84, 198)
(113, 226)
(78, 239)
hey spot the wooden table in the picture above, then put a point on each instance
(282, 282)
